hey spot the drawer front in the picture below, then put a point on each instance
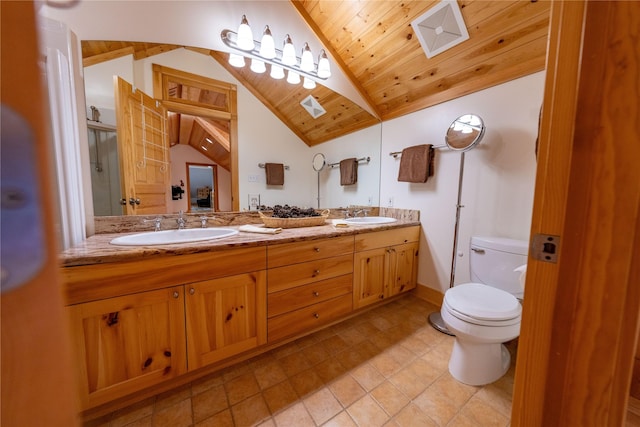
(294, 253)
(308, 318)
(282, 278)
(381, 239)
(303, 296)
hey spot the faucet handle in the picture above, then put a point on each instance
(156, 222)
(204, 219)
(366, 211)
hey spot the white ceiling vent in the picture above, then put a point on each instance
(440, 28)
(313, 107)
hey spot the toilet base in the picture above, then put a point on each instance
(478, 363)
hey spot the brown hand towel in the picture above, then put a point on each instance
(416, 163)
(349, 171)
(275, 173)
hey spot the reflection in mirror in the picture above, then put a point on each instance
(105, 170)
(465, 132)
(202, 187)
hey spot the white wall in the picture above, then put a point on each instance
(365, 143)
(499, 174)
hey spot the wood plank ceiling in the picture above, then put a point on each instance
(374, 44)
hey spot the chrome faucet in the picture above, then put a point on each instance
(156, 222)
(204, 220)
(181, 221)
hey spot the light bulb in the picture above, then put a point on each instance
(308, 83)
(288, 52)
(236, 60)
(267, 45)
(277, 72)
(306, 62)
(258, 66)
(293, 77)
(245, 36)
(324, 69)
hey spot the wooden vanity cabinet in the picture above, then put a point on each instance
(128, 343)
(133, 323)
(385, 264)
(225, 317)
(310, 283)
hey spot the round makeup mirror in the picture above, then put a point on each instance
(319, 162)
(465, 133)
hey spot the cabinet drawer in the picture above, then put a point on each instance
(293, 253)
(308, 318)
(380, 239)
(303, 296)
(282, 278)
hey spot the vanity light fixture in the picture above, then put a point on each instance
(264, 52)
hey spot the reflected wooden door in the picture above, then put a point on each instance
(144, 150)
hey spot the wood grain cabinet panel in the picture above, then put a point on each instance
(385, 264)
(312, 293)
(309, 318)
(128, 343)
(299, 274)
(225, 317)
(297, 252)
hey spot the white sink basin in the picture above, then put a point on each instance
(369, 220)
(168, 237)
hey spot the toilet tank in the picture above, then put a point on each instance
(493, 259)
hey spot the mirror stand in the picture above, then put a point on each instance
(464, 133)
(319, 162)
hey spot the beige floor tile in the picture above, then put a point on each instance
(206, 383)
(221, 419)
(329, 369)
(250, 411)
(280, 396)
(347, 390)
(294, 416)
(390, 398)
(483, 414)
(322, 406)
(352, 335)
(366, 412)
(209, 402)
(306, 382)
(294, 363)
(269, 374)
(407, 382)
(496, 398)
(178, 415)
(315, 353)
(367, 376)
(343, 419)
(386, 364)
(335, 344)
(412, 416)
(241, 387)
(132, 413)
(172, 397)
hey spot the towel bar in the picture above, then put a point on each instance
(360, 160)
(261, 165)
(397, 154)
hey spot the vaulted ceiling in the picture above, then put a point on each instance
(375, 46)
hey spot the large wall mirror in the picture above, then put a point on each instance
(144, 169)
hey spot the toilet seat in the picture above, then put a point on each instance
(483, 305)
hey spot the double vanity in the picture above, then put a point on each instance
(148, 318)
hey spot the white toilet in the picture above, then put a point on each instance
(485, 313)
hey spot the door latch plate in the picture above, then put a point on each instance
(545, 247)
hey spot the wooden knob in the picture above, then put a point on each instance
(192, 291)
(316, 294)
(176, 294)
(316, 315)
(316, 249)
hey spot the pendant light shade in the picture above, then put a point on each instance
(306, 62)
(267, 45)
(308, 83)
(293, 77)
(245, 36)
(258, 66)
(236, 60)
(276, 72)
(288, 52)
(324, 69)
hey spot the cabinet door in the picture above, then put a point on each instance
(225, 317)
(128, 343)
(403, 271)
(370, 276)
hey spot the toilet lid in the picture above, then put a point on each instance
(482, 302)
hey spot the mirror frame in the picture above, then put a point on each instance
(162, 75)
(465, 121)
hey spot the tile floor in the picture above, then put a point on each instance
(385, 367)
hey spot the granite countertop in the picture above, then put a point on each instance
(97, 249)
